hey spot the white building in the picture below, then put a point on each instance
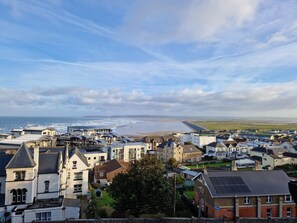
(34, 184)
(127, 151)
(197, 139)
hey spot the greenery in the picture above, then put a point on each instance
(244, 125)
(144, 189)
(189, 194)
(210, 164)
(172, 162)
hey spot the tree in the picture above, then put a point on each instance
(172, 162)
(144, 189)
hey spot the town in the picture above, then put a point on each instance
(227, 175)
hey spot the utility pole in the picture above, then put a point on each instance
(174, 192)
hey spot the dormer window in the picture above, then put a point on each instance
(74, 165)
(20, 175)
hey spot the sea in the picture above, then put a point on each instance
(121, 125)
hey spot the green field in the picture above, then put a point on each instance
(244, 125)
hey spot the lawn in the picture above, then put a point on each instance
(105, 200)
(244, 125)
(189, 194)
(217, 164)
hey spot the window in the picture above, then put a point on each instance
(101, 173)
(95, 158)
(289, 212)
(89, 158)
(43, 216)
(269, 213)
(77, 188)
(18, 196)
(288, 198)
(268, 199)
(46, 186)
(78, 176)
(247, 200)
(68, 175)
(74, 165)
(20, 175)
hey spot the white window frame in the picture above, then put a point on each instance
(288, 199)
(20, 175)
(43, 216)
(46, 186)
(77, 188)
(74, 165)
(268, 199)
(289, 212)
(78, 176)
(247, 200)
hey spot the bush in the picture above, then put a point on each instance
(102, 213)
(95, 185)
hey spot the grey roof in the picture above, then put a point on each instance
(80, 155)
(258, 183)
(21, 159)
(259, 149)
(48, 163)
(4, 158)
(62, 149)
(71, 202)
(190, 149)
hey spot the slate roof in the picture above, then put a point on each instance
(4, 160)
(68, 202)
(259, 149)
(293, 155)
(216, 145)
(48, 163)
(257, 183)
(62, 149)
(191, 149)
(80, 155)
(21, 159)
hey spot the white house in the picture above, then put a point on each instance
(32, 181)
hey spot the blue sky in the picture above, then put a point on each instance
(157, 57)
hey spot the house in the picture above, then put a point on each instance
(191, 154)
(244, 194)
(31, 187)
(40, 131)
(107, 171)
(217, 150)
(78, 174)
(170, 149)
(271, 157)
(94, 156)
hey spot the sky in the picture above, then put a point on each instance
(159, 57)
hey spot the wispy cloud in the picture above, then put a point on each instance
(154, 57)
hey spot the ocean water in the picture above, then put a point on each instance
(121, 125)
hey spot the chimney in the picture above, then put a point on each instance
(257, 165)
(204, 170)
(233, 167)
(36, 154)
